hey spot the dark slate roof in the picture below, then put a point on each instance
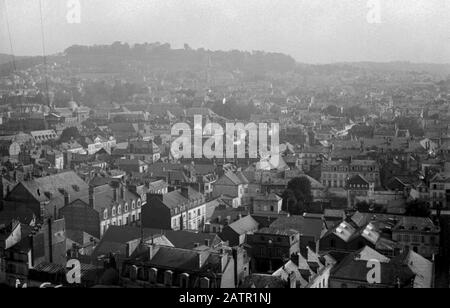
(276, 231)
(358, 179)
(99, 181)
(179, 239)
(353, 269)
(305, 226)
(176, 198)
(244, 225)
(176, 258)
(262, 281)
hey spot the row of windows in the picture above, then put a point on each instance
(118, 211)
(415, 239)
(192, 204)
(154, 276)
(272, 252)
(265, 208)
(333, 183)
(121, 222)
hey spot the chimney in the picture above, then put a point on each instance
(185, 191)
(1, 188)
(152, 250)
(91, 197)
(151, 196)
(66, 198)
(122, 191)
(115, 198)
(50, 240)
(224, 260)
(31, 243)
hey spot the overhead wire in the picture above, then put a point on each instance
(8, 30)
(44, 53)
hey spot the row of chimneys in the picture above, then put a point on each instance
(119, 193)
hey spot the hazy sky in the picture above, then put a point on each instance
(313, 31)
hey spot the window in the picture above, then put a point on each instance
(432, 240)
(139, 203)
(105, 214)
(204, 283)
(168, 278)
(114, 211)
(143, 274)
(133, 205)
(153, 275)
(262, 251)
(126, 207)
(332, 243)
(184, 280)
(119, 210)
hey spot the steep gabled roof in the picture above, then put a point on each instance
(244, 225)
(51, 188)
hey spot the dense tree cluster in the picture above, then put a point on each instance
(254, 62)
(298, 198)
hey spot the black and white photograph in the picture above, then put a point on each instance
(224, 149)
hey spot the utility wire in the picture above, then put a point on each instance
(9, 36)
(44, 52)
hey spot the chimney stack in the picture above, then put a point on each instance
(91, 197)
(115, 198)
(66, 198)
(122, 191)
(153, 249)
(185, 191)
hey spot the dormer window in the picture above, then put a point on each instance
(133, 205)
(119, 209)
(114, 211)
(105, 214)
(168, 276)
(153, 275)
(126, 207)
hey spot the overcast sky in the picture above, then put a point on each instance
(312, 31)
